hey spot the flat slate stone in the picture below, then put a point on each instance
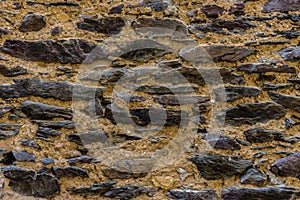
(37, 110)
(56, 124)
(263, 68)
(47, 132)
(212, 11)
(291, 102)
(290, 53)
(9, 130)
(254, 177)
(23, 156)
(281, 6)
(107, 25)
(233, 93)
(71, 51)
(176, 100)
(193, 194)
(260, 135)
(129, 192)
(212, 167)
(12, 71)
(4, 31)
(5, 109)
(251, 113)
(95, 189)
(32, 22)
(69, 172)
(219, 141)
(288, 166)
(267, 193)
(82, 159)
(30, 143)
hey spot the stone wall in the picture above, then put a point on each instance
(157, 99)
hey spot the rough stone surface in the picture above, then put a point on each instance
(12, 71)
(212, 10)
(254, 177)
(281, 6)
(288, 166)
(260, 135)
(129, 192)
(32, 22)
(219, 141)
(63, 172)
(9, 130)
(290, 53)
(233, 93)
(193, 194)
(263, 68)
(290, 102)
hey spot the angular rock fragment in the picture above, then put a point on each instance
(31, 183)
(3, 32)
(251, 113)
(9, 130)
(260, 135)
(160, 27)
(94, 109)
(267, 193)
(129, 192)
(72, 51)
(37, 110)
(288, 166)
(47, 132)
(212, 11)
(290, 53)
(5, 109)
(267, 86)
(30, 143)
(215, 53)
(56, 124)
(108, 25)
(289, 34)
(221, 142)
(82, 159)
(176, 100)
(212, 167)
(23, 156)
(12, 71)
(281, 6)
(290, 102)
(156, 5)
(127, 97)
(236, 92)
(69, 172)
(32, 22)
(160, 89)
(254, 177)
(116, 9)
(193, 194)
(263, 68)
(47, 161)
(237, 9)
(88, 138)
(95, 189)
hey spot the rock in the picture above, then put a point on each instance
(290, 53)
(263, 68)
(71, 51)
(129, 169)
(176, 100)
(192, 13)
(30, 143)
(32, 22)
(23, 156)
(288, 166)
(95, 189)
(183, 174)
(47, 161)
(163, 182)
(212, 11)
(212, 167)
(127, 97)
(156, 5)
(47, 132)
(267, 86)
(289, 34)
(169, 89)
(69, 172)
(129, 192)
(193, 194)
(251, 113)
(56, 124)
(4, 32)
(215, 52)
(142, 50)
(56, 31)
(217, 25)
(281, 6)
(233, 93)
(267, 193)
(88, 138)
(9, 130)
(31, 183)
(260, 135)
(94, 109)
(37, 110)
(237, 9)
(221, 142)
(116, 9)
(5, 109)
(12, 71)
(160, 27)
(8, 158)
(290, 102)
(82, 159)
(254, 177)
(170, 64)
(107, 25)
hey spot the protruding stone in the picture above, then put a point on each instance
(212, 11)
(193, 194)
(291, 102)
(263, 68)
(176, 100)
(129, 192)
(221, 142)
(169, 89)
(9, 130)
(32, 22)
(254, 177)
(290, 53)
(47, 161)
(47, 132)
(260, 135)
(82, 159)
(12, 71)
(233, 93)
(56, 124)
(94, 108)
(95, 189)
(30, 143)
(5, 109)
(288, 166)
(23, 156)
(212, 167)
(281, 6)
(63, 172)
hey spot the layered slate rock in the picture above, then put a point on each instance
(217, 25)
(106, 25)
(30, 143)
(263, 68)
(219, 141)
(12, 71)
(37, 110)
(260, 135)
(5, 109)
(160, 27)
(72, 51)
(95, 189)
(290, 53)
(88, 138)
(233, 93)
(142, 50)
(212, 167)
(251, 113)
(47, 132)
(176, 100)
(254, 177)
(67, 172)
(129, 192)
(31, 183)
(68, 124)
(23, 156)
(82, 159)
(281, 6)
(290, 102)
(161, 89)
(3, 32)
(288, 166)
(193, 194)
(156, 5)
(9, 130)
(267, 86)
(215, 52)
(267, 193)
(32, 22)
(48, 89)
(212, 11)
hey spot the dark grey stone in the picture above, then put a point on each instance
(204, 194)
(32, 22)
(233, 93)
(68, 172)
(254, 177)
(288, 166)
